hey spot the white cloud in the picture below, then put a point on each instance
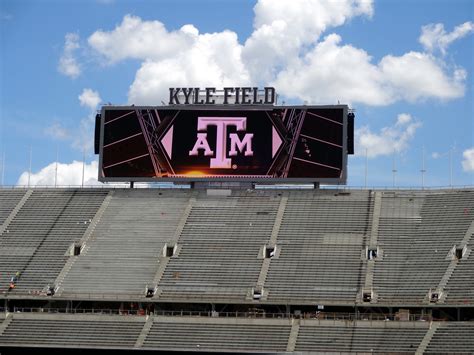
(68, 64)
(284, 50)
(89, 98)
(434, 37)
(170, 59)
(185, 57)
(418, 76)
(326, 75)
(134, 38)
(390, 140)
(57, 131)
(83, 139)
(468, 160)
(283, 28)
(214, 59)
(82, 136)
(67, 175)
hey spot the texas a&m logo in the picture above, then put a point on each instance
(221, 161)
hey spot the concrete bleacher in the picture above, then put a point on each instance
(460, 288)
(452, 337)
(219, 247)
(321, 239)
(217, 239)
(52, 254)
(363, 336)
(214, 334)
(35, 241)
(417, 230)
(122, 255)
(72, 331)
(8, 200)
(197, 333)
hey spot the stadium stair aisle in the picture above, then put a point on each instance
(9, 202)
(460, 286)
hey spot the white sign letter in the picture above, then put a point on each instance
(235, 142)
(201, 143)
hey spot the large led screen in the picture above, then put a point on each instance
(211, 143)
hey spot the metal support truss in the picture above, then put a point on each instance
(293, 126)
(149, 129)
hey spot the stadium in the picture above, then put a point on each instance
(228, 259)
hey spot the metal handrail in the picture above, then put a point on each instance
(165, 185)
(336, 316)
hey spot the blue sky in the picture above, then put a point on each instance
(406, 67)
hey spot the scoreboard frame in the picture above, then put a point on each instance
(232, 111)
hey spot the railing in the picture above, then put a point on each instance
(166, 185)
(336, 316)
(101, 186)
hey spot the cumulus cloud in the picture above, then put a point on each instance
(468, 160)
(68, 64)
(89, 98)
(83, 138)
(134, 38)
(67, 175)
(283, 28)
(57, 131)
(418, 76)
(216, 61)
(434, 37)
(186, 57)
(390, 139)
(177, 58)
(326, 74)
(284, 50)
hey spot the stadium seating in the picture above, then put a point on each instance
(364, 337)
(36, 241)
(219, 247)
(199, 251)
(417, 230)
(453, 337)
(8, 200)
(460, 288)
(218, 240)
(321, 239)
(122, 255)
(188, 333)
(218, 334)
(72, 331)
